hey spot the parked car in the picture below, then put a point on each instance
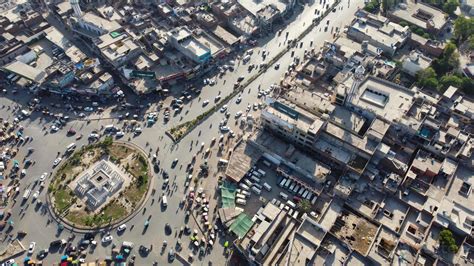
(57, 161)
(31, 247)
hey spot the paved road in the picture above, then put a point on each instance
(48, 145)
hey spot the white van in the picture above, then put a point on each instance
(255, 179)
(243, 186)
(164, 201)
(247, 182)
(310, 194)
(240, 196)
(256, 190)
(282, 182)
(241, 201)
(246, 58)
(27, 193)
(293, 184)
(246, 193)
(313, 201)
(305, 194)
(71, 147)
(283, 196)
(287, 183)
(261, 172)
(266, 163)
(300, 192)
(291, 204)
(267, 186)
(223, 162)
(296, 188)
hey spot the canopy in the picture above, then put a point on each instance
(241, 225)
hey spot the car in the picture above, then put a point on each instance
(42, 253)
(206, 102)
(171, 255)
(55, 243)
(36, 195)
(255, 106)
(31, 247)
(57, 161)
(121, 227)
(88, 109)
(238, 114)
(137, 131)
(107, 239)
(224, 108)
(224, 129)
(119, 134)
(54, 128)
(174, 163)
(277, 66)
(71, 132)
(43, 177)
(93, 136)
(239, 99)
(143, 250)
(217, 98)
(9, 262)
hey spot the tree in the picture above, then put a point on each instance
(304, 206)
(448, 61)
(463, 28)
(450, 6)
(372, 6)
(450, 80)
(427, 78)
(447, 241)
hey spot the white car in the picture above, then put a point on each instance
(138, 130)
(9, 262)
(57, 161)
(43, 177)
(31, 248)
(119, 134)
(54, 128)
(36, 195)
(224, 108)
(121, 228)
(217, 98)
(239, 99)
(248, 108)
(238, 114)
(255, 106)
(94, 136)
(206, 102)
(88, 109)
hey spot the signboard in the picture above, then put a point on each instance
(142, 74)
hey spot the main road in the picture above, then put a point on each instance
(48, 145)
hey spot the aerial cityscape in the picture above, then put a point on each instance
(236, 132)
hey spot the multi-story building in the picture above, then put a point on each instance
(182, 39)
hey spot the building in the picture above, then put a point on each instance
(267, 11)
(117, 48)
(182, 39)
(98, 183)
(378, 31)
(417, 13)
(468, 6)
(414, 62)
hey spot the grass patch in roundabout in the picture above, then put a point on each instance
(75, 208)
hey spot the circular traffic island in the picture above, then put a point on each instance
(99, 185)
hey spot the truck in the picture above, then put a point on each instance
(27, 193)
(282, 182)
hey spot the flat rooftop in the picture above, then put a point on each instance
(243, 158)
(108, 25)
(254, 6)
(312, 101)
(386, 35)
(420, 14)
(387, 100)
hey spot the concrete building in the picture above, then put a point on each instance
(414, 62)
(378, 31)
(468, 6)
(117, 49)
(422, 15)
(182, 39)
(98, 183)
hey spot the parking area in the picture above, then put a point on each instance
(269, 188)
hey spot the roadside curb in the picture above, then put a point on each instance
(74, 228)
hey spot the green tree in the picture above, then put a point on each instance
(450, 80)
(463, 28)
(373, 6)
(427, 78)
(450, 6)
(447, 241)
(448, 61)
(304, 206)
